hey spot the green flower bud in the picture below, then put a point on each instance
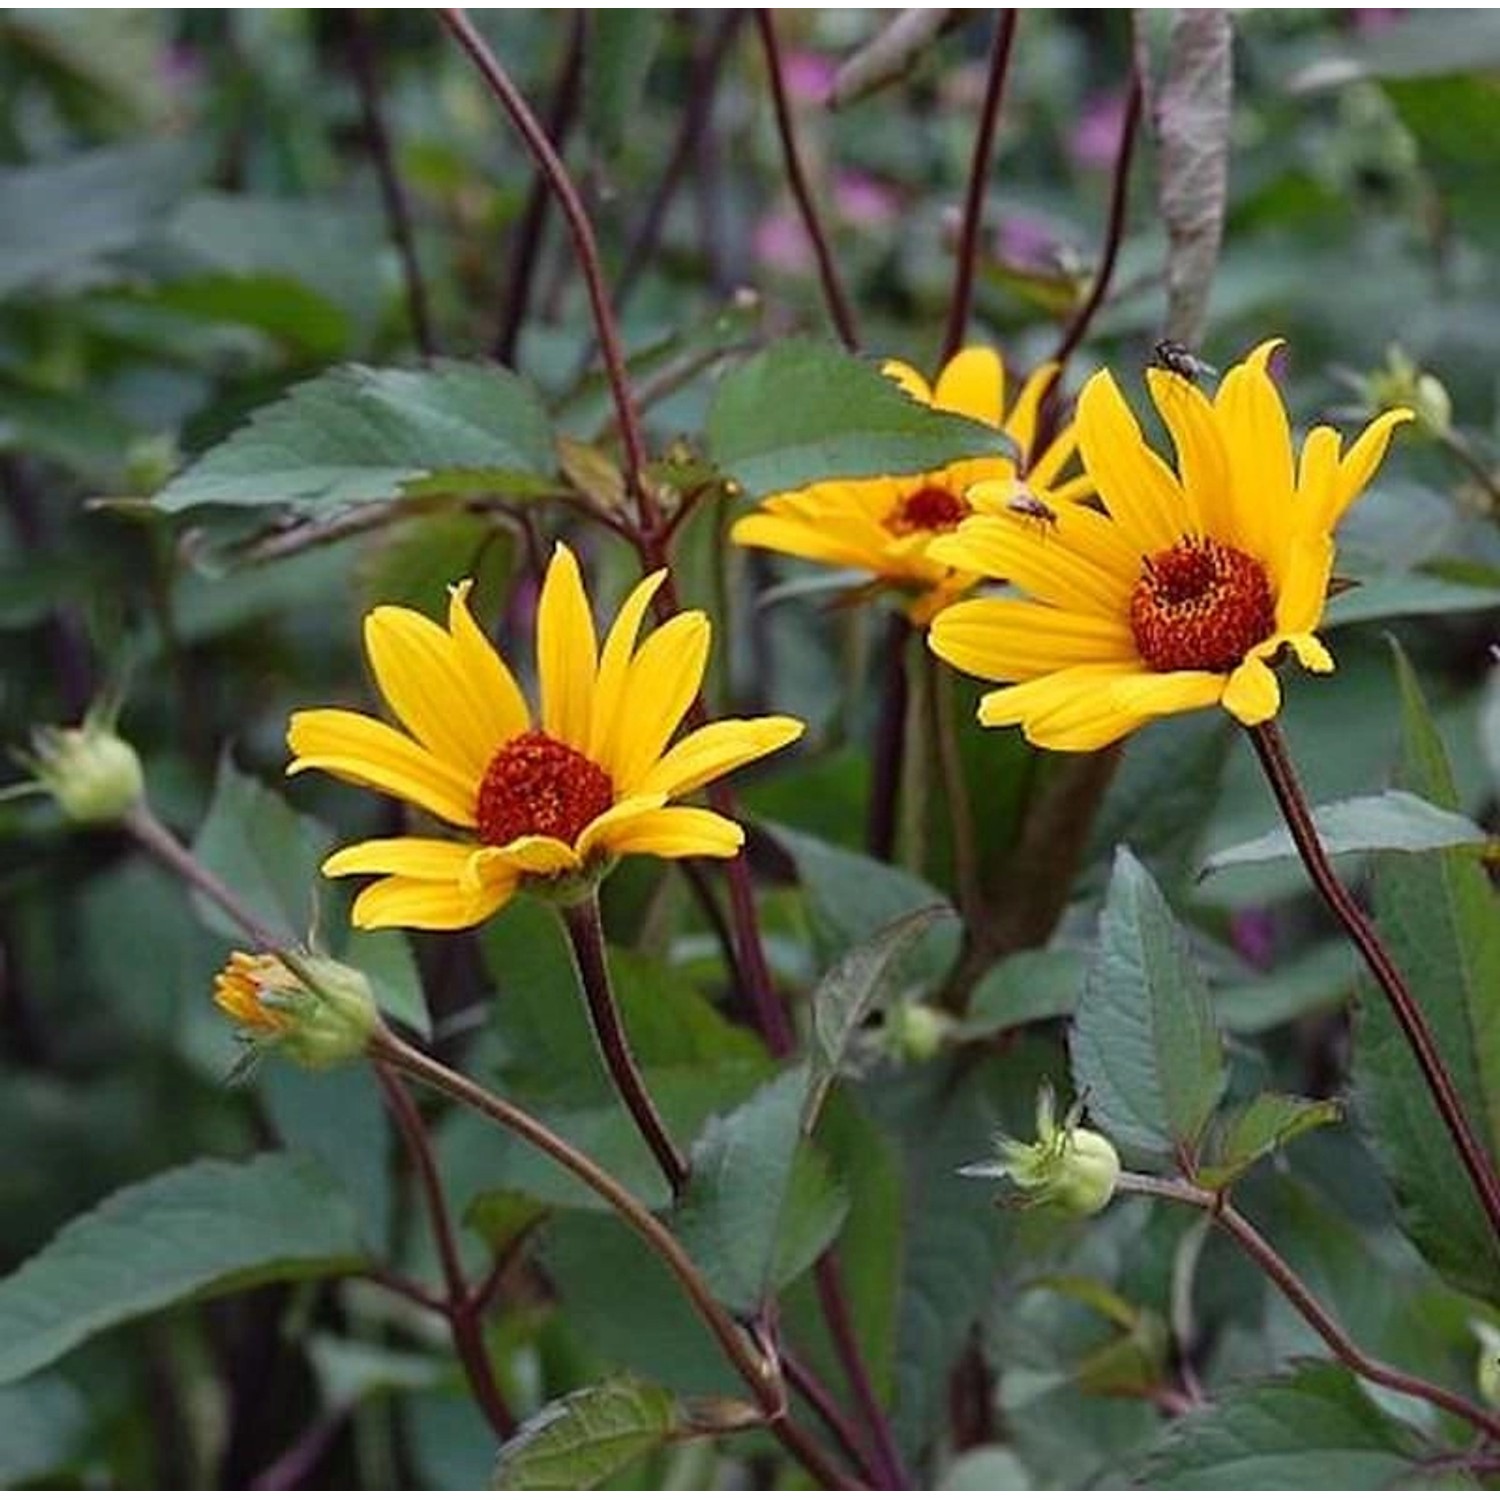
(916, 1033)
(91, 773)
(1488, 1375)
(317, 1011)
(1066, 1167)
(1400, 382)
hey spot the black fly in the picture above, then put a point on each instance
(1168, 354)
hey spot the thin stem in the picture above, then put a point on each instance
(962, 300)
(890, 742)
(955, 790)
(1277, 764)
(1113, 236)
(526, 240)
(403, 1287)
(586, 933)
(839, 310)
(392, 193)
(293, 1468)
(758, 1373)
(890, 1473)
(459, 1308)
(817, 1395)
(1297, 1292)
(708, 903)
(153, 836)
(584, 244)
(707, 66)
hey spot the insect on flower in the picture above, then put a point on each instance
(1030, 506)
(1168, 354)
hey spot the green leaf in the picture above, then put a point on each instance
(192, 1232)
(1266, 1124)
(862, 981)
(760, 1204)
(1313, 1427)
(1440, 919)
(1145, 1047)
(1191, 113)
(501, 1218)
(58, 219)
(264, 852)
(618, 50)
(1401, 594)
(45, 1422)
(1394, 820)
(801, 412)
(357, 434)
(1034, 985)
(350, 1371)
(1320, 979)
(992, 1467)
(384, 956)
(586, 1437)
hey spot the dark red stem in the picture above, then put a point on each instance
(890, 742)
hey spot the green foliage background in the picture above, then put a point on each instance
(191, 228)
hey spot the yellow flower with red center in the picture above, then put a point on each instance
(1183, 593)
(884, 526)
(553, 799)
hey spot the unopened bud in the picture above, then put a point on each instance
(916, 1033)
(1400, 382)
(89, 771)
(317, 1011)
(1488, 1375)
(1066, 1167)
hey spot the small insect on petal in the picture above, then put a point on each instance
(1030, 506)
(1168, 354)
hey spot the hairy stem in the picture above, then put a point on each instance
(586, 933)
(1299, 1294)
(1277, 764)
(839, 309)
(962, 301)
(459, 1307)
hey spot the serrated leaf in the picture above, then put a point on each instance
(1439, 917)
(586, 1437)
(207, 1227)
(1192, 116)
(1393, 820)
(264, 852)
(1145, 1048)
(1266, 1124)
(760, 1203)
(1316, 1426)
(356, 434)
(802, 411)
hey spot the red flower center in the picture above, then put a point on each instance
(930, 508)
(1200, 606)
(537, 785)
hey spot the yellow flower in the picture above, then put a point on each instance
(551, 801)
(1179, 597)
(885, 525)
(241, 985)
(317, 1011)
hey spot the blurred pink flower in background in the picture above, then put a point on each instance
(1094, 141)
(864, 201)
(1373, 21)
(1026, 242)
(1253, 934)
(781, 244)
(808, 76)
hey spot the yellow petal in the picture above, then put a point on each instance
(566, 650)
(1361, 461)
(1142, 494)
(420, 677)
(1259, 439)
(614, 665)
(1304, 584)
(1317, 472)
(491, 687)
(717, 749)
(1020, 423)
(973, 385)
(1252, 693)
(422, 859)
(364, 750)
(1094, 717)
(1202, 460)
(677, 833)
(914, 384)
(538, 854)
(1311, 652)
(1010, 640)
(1014, 705)
(663, 680)
(840, 548)
(399, 901)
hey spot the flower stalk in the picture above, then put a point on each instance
(586, 934)
(1281, 774)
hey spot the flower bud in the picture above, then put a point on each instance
(1400, 382)
(1066, 1167)
(320, 1012)
(1487, 1377)
(91, 773)
(916, 1033)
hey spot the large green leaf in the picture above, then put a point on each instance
(44, 1422)
(1440, 918)
(587, 1436)
(1266, 1124)
(357, 434)
(803, 411)
(200, 1229)
(1313, 1429)
(1393, 820)
(1144, 1044)
(264, 852)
